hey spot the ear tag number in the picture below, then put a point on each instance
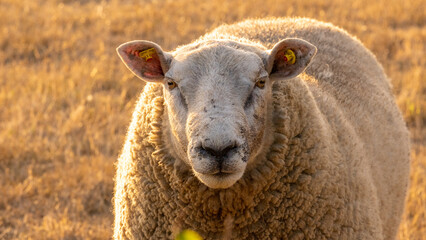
(146, 54)
(289, 56)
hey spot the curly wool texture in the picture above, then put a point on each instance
(337, 167)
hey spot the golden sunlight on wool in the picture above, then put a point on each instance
(66, 100)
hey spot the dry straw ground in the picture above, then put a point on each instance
(66, 100)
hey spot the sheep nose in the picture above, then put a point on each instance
(218, 152)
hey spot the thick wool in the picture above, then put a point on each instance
(337, 168)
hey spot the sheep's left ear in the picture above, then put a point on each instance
(289, 57)
(145, 59)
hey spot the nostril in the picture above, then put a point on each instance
(219, 152)
(211, 151)
(228, 149)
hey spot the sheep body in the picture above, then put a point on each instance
(337, 167)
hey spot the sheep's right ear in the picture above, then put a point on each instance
(145, 59)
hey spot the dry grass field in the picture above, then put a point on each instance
(66, 99)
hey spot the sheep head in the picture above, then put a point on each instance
(218, 98)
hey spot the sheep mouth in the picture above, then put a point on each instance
(221, 174)
(216, 172)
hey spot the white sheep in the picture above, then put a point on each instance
(233, 140)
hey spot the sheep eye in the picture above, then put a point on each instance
(171, 84)
(260, 84)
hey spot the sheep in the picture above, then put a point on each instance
(280, 128)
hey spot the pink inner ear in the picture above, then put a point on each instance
(280, 61)
(152, 67)
(147, 68)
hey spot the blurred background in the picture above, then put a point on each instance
(66, 99)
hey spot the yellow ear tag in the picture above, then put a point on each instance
(289, 56)
(147, 54)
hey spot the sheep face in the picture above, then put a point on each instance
(217, 96)
(217, 110)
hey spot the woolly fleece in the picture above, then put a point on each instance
(337, 169)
